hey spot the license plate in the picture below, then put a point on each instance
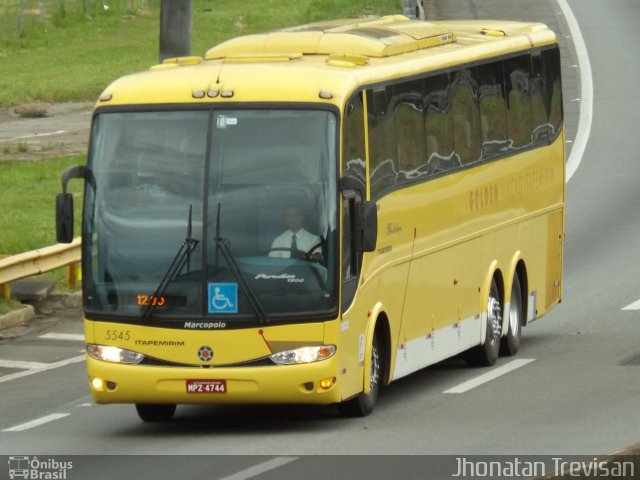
(207, 386)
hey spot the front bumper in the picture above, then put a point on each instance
(299, 384)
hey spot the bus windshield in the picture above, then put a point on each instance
(203, 214)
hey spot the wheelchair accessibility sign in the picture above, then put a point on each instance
(223, 298)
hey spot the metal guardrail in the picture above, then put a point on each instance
(39, 261)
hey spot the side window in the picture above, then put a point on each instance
(493, 110)
(425, 127)
(553, 88)
(382, 140)
(539, 115)
(466, 117)
(353, 158)
(516, 72)
(409, 130)
(353, 146)
(351, 259)
(438, 125)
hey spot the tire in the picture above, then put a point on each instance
(486, 354)
(511, 342)
(155, 413)
(363, 404)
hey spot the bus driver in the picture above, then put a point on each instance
(296, 242)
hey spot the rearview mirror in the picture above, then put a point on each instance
(64, 202)
(369, 226)
(64, 217)
(365, 216)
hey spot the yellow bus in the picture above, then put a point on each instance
(419, 165)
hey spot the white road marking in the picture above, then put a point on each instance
(35, 135)
(633, 306)
(586, 92)
(44, 367)
(37, 422)
(261, 468)
(491, 375)
(20, 365)
(63, 336)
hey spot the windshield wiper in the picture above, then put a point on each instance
(182, 258)
(221, 245)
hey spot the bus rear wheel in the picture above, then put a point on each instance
(363, 404)
(511, 342)
(486, 354)
(149, 412)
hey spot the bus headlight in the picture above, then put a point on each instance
(113, 354)
(303, 355)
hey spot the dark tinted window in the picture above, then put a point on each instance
(553, 88)
(438, 125)
(409, 127)
(539, 116)
(422, 128)
(516, 71)
(493, 109)
(466, 117)
(353, 147)
(382, 140)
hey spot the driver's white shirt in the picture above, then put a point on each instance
(305, 241)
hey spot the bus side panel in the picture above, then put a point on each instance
(554, 259)
(382, 288)
(441, 315)
(383, 293)
(351, 353)
(443, 305)
(462, 224)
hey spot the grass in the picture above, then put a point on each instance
(27, 200)
(7, 306)
(27, 214)
(75, 55)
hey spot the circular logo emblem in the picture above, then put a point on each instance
(205, 354)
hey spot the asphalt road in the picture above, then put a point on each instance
(576, 390)
(63, 130)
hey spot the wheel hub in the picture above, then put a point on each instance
(495, 316)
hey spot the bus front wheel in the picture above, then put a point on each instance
(149, 412)
(363, 404)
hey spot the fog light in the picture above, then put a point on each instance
(97, 384)
(326, 383)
